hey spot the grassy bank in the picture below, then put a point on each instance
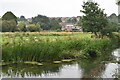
(53, 46)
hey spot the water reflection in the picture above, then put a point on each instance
(113, 68)
(23, 70)
(92, 69)
(79, 69)
(116, 54)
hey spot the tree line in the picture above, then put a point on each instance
(11, 23)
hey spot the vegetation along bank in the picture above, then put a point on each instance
(21, 47)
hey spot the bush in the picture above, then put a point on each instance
(33, 27)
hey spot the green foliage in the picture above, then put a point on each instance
(8, 25)
(9, 22)
(0, 18)
(119, 18)
(72, 20)
(94, 20)
(43, 21)
(96, 48)
(9, 16)
(21, 26)
(118, 2)
(0, 25)
(54, 25)
(113, 22)
(59, 20)
(33, 27)
(22, 18)
(80, 22)
(113, 18)
(46, 23)
(35, 48)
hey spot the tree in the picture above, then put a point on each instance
(0, 25)
(22, 18)
(113, 21)
(9, 16)
(0, 18)
(33, 27)
(118, 2)
(9, 22)
(54, 25)
(43, 21)
(72, 20)
(21, 26)
(119, 18)
(8, 25)
(94, 20)
(113, 18)
(59, 20)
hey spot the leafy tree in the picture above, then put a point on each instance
(9, 22)
(43, 21)
(113, 18)
(119, 18)
(0, 18)
(59, 20)
(119, 22)
(33, 27)
(0, 25)
(95, 19)
(21, 26)
(72, 20)
(8, 25)
(9, 16)
(113, 21)
(55, 25)
(118, 2)
(22, 18)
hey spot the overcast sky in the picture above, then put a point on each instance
(52, 8)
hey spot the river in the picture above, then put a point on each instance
(76, 69)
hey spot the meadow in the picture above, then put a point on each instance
(49, 46)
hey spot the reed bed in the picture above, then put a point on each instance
(17, 47)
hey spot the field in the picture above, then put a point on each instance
(45, 46)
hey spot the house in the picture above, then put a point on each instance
(69, 23)
(70, 27)
(29, 19)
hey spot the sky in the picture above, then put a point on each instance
(52, 8)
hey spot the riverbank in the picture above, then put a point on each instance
(100, 67)
(34, 48)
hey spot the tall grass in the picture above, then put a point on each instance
(35, 48)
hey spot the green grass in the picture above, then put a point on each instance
(18, 47)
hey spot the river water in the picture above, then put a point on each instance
(76, 69)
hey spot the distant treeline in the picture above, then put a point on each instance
(11, 23)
